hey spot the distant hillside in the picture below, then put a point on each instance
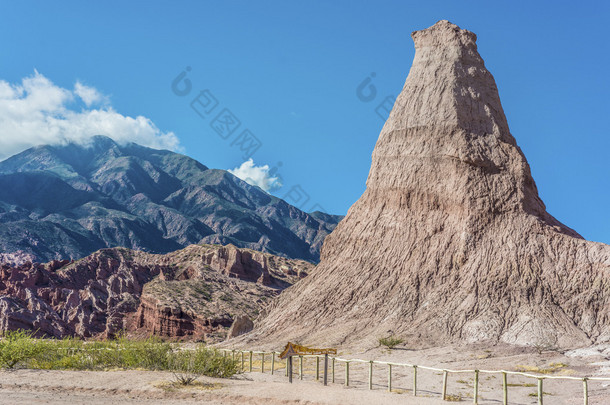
(65, 202)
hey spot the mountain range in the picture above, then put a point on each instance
(67, 201)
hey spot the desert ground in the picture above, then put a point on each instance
(136, 387)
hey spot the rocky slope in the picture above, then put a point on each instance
(194, 293)
(65, 202)
(450, 241)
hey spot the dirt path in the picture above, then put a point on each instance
(146, 387)
(139, 387)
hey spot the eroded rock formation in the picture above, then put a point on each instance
(450, 241)
(192, 293)
(241, 325)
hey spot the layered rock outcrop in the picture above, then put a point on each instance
(193, 293)
(450, 241)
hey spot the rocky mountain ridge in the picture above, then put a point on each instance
(65, 202)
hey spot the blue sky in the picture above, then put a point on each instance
(288, 71)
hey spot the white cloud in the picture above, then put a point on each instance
(257, 175)
(89, 95)
(38, 112)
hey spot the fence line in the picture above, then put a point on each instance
(415, 367)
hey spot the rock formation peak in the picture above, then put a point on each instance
(444, 34)
(450, 241)
(449, 114)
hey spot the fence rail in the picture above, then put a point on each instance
(415, 367)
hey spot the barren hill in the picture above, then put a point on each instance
(450, 241)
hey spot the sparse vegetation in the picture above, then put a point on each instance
(226, 297)
(185, 378)
(546, 344)
(453, 398)
(20, 349)
(390, 342)
(521, 385)
(550, 369)
(171, 386)
(535, 394)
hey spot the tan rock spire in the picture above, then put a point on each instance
(450, 241)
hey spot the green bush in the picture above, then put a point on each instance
(203, 361)
(17, 348)
(390, 342)
(148, 354)
(20, 348)
(57, 355)
(69, 353)
(212, 363)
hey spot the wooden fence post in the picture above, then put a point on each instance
(540, 392)
(250, 360)
(242, 362)
(233, 354)
(504, 389)
(272, 363)
(300, 367)
(414, 381)
(317, 368)
(585, 387)
(286, 369)
(333, 370)
(371, 375)
(476, 387)
(347, 373)
(262, 362)
(326, 369)
(389, 378)
(445, 385)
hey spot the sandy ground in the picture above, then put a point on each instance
(139, 387)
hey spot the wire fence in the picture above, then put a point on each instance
(247, 363)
